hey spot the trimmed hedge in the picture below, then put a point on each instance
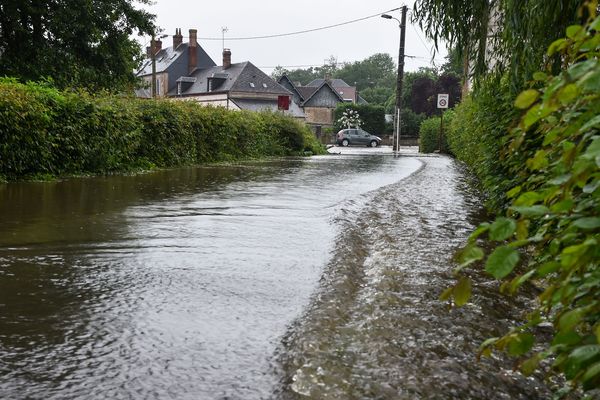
(372, 117)
(429, 134)
(44, 131)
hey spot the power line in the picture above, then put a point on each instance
(303, 31)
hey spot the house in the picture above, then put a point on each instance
(181, 59)
(235, 86)
(320, 98)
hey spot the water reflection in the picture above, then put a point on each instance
(175, 284)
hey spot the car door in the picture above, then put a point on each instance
(364, 137)
(353, 136)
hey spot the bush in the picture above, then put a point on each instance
(430, 139)
(549, 233)
(372, 117)
(411, 123)
(46, 131)
(476, 135)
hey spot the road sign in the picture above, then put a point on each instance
(443, 100)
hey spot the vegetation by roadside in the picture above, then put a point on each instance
(533, 139)
(48, 132)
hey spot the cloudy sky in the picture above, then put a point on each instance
(243, 18)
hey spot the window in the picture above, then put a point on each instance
(252, 84)
(265, 85)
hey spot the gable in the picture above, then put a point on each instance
(323, 97)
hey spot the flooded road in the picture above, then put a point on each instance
(176, 284)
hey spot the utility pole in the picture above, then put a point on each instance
(400, 77)
(398, 110)
(153, 58)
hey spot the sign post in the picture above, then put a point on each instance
(442, 102)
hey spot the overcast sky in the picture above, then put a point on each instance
(244, 18)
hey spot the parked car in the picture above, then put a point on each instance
(355, 136)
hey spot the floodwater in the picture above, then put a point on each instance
(290, 279)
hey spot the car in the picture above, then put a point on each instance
(357, 136)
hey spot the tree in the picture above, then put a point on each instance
(73, 42)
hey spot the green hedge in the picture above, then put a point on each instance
(429, 134)
(44, 131)
(372, 117)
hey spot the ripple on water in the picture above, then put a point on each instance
(376, 328)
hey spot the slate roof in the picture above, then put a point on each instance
(336, 83)
(306, 91)
(167, 56)
(240, 77)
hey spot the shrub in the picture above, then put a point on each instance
(46, 131)
(550, 232)
(372, 117)
(430, 139)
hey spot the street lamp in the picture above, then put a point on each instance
(402, 26)
(153, 58)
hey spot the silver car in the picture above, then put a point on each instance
(356, 136)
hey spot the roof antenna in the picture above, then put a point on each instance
(224, 30)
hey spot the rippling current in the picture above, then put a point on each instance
(175, 284)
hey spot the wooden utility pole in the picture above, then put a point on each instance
(400, 79)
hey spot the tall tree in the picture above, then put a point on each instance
(74, 42)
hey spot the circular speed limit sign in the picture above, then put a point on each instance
(442, 101)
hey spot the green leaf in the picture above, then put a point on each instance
(502, 261)
(587, 223)
(502, 229)
(590, 83)
(593, 150)
(575, 31)
(481, 229)
(531, 364)
(540, 76)
(528, 199)
(562, 206)
(570, 319)
(520, 344)
(526, 98)
(446, 294)
(538, 162)
(462, 292)
(469, 255)
(568, 93)
(513, 192)
(568, 338)
(592, 123)
(591, 377)
(557, 46)
(531, 211)
(584, 354)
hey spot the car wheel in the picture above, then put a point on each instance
(345, 142)
(373, 143)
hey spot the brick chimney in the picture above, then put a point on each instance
(157, 46)
(177, 38)
(193, 50)
(226, 58)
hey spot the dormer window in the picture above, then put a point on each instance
(252, 84)
(265, 85)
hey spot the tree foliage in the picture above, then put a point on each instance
(73, 42)
(372, 118)
(549, 234)
(513, 31)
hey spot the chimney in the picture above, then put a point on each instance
(157, 46)
(177, 38)
(226, 58)
(193, 51)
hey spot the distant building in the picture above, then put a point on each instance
(320, 98)
(185, 71)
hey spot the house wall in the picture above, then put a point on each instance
(319, 115)
(163, 83)
(323, 98)
(215, 100)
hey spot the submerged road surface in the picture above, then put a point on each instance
(308, 278)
